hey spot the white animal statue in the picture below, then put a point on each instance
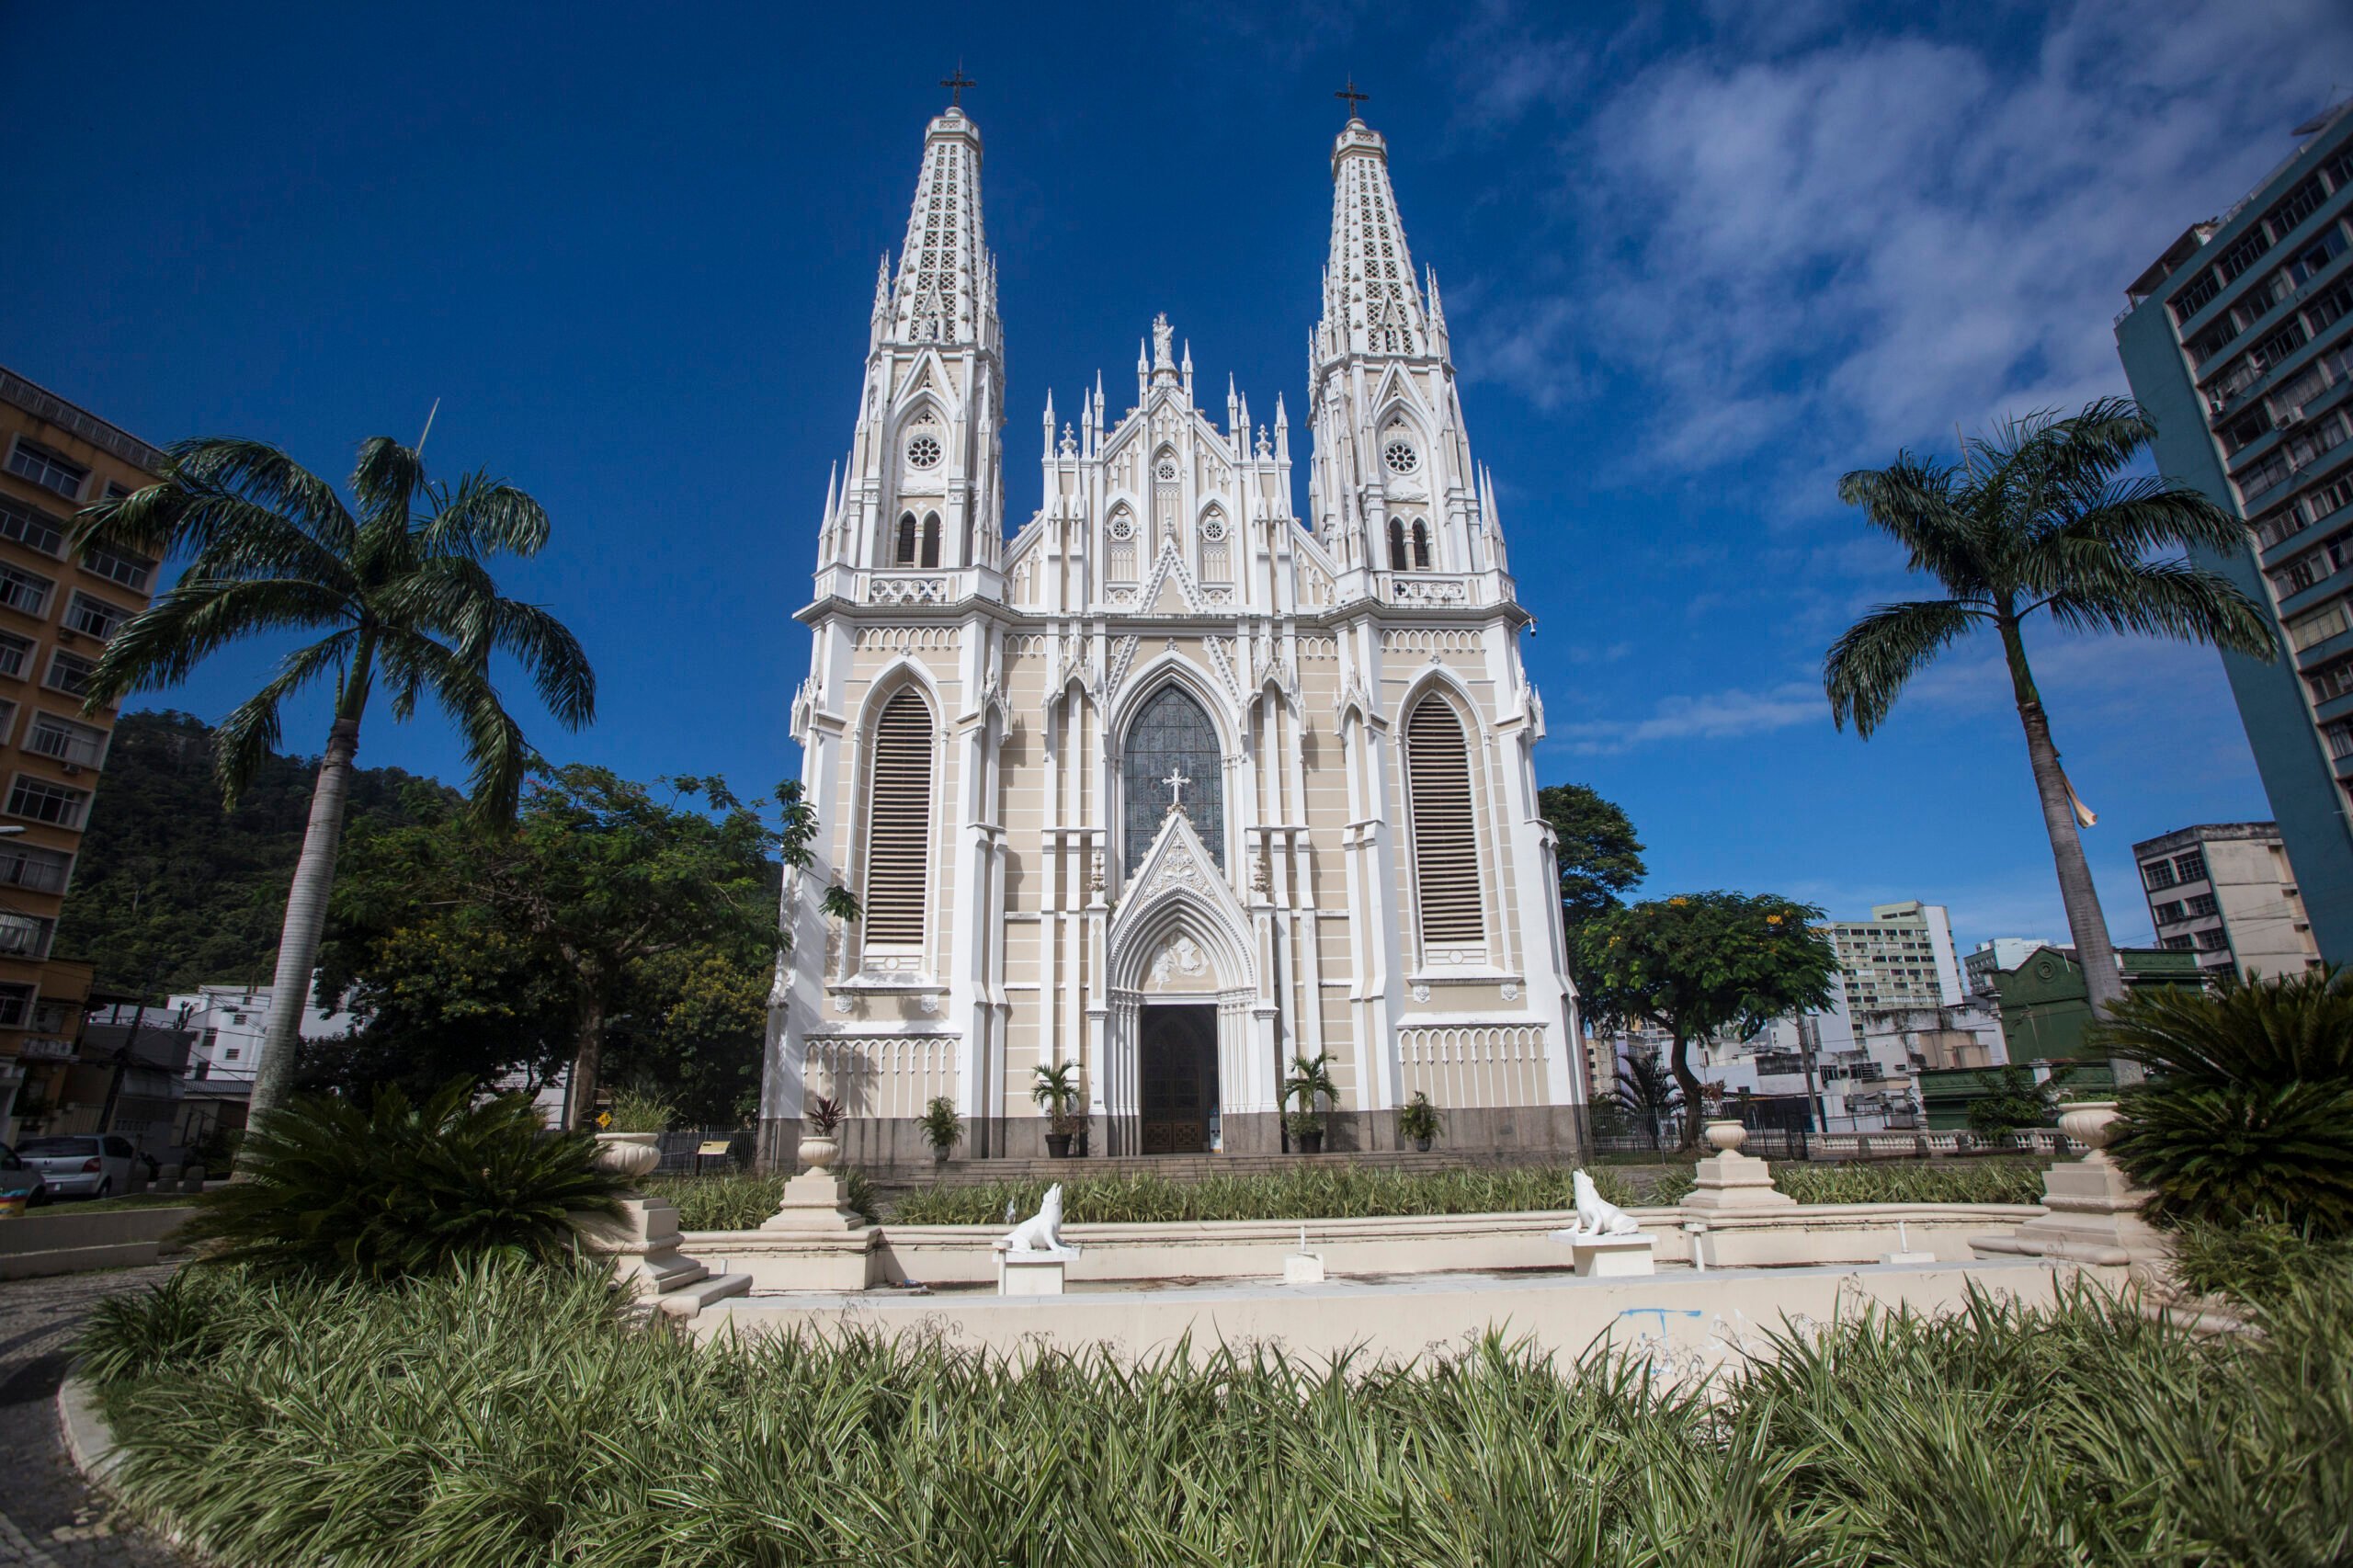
(1596, 1216)
(1042, 1231)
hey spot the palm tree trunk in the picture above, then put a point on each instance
(306, 915)
(1688, 1082)
(580, 1097)
(2095, 953)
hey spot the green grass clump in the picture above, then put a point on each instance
(510, 1416)
(2258, 1265)
(740, 1200)
(1305, 1192)
(1975, 1181)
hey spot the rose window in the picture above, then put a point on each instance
(1168, 468)
(1400, 457)
(924, 452)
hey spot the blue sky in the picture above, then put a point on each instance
(1699, 260)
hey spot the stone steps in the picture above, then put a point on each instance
(687, 1300)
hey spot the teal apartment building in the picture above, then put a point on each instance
(2238, 342)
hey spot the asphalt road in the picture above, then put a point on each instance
(48, 1518)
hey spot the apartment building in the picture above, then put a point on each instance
(2226, 892)
(56, 610)
(2238, 342)
(1902, 956)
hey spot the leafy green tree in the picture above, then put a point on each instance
(2038, 519)
(2247, 1115)
(1701, 962)
(2014, 1098)
(1598, 856)
(603, 914)
(395, 592)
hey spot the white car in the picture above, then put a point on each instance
(81, 1166)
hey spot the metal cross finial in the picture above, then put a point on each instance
(956, 85)
(1353, 96)
(1175, 782)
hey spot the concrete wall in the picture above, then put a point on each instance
(60, 1240)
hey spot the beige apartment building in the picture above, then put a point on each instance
(2226, 892)
(57, 609)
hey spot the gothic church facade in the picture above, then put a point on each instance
(1173, 785)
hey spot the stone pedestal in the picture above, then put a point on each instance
(2092, 1209)
(1730, 1180)
(1610, 1258)
(1030, 1272)
(1304, 1268)
(642, 1242)
(814, 1201)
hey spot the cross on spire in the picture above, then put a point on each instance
(1353, 97)
(1175, 782)
(959, 82)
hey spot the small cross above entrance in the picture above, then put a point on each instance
(1175, 782)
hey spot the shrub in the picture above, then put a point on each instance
(2013, 1100)
(1417, 1118)
(401, 1189)
(942, 1128)
(2258, 1264)
(1978, 1181)
(505, 1416)
(741, 1201)
(2249, 1112)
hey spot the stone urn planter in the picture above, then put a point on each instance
(1725, 1136)
(2089, 1122)
(818, 1152)
(629, 1156)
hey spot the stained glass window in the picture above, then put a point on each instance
(1172, 736)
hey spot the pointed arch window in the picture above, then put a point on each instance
(1421, 545)
(1438, 807)
(1171, 735)
(898, 822)
(931, 538)
(906, 553)
(1216, 563)
(1121, 565)
(1396, 544)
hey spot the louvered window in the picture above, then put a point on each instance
(931, 538)
(1446, 854)
(1421, 545)
(1396, 544)
(898, 823)
(905, 554)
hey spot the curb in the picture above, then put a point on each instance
(90, 1449)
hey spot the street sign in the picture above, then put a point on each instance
(604, 1119)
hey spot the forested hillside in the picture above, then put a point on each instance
(171, 890)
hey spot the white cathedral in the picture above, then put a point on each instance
(1174, 785)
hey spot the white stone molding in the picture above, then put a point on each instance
(883, 589)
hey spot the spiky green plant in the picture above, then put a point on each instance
(401, 1189)
(632, 1110)
(2258, 1264)
(1977, 1181)
(2248, 1114)
(740, 1200)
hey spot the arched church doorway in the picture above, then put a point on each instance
(1177, 1061)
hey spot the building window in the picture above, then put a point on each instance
(95, 617)
(1171, 738)
(2277, 346)
(2194, 296)
(118, 566)
(70, 673)
(14, 653)
(2167, 914)
(2331, 680)
(1421, 545)
(2329, 307)
(32, 867)
(1396, 544)
(904, 555)
(23, 592)
(1400, 457)
(1216, 563)
(2295, 207)
(24, 936)
(931, 538)
(2191, 867)
(2158, 874)
(2243, 254)
(48, 467)
(30, 528)
(44, 801)
(67, 741)
(2203, 904)
(1122, 530)
(898, 822)
(2321, 625)
(15, 1005)
(1438, 807)
(2212, 939)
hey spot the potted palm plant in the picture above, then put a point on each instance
(1418, 1121)
(825, 1117)
(1057, 1093)
(942, 1128)
(1310, 1078)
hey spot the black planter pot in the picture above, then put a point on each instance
(1421, 1146)
(1058, 1145)
(1311, 1143)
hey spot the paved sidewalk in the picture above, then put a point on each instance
(48, 1518)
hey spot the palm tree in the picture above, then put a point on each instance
(400, 594)
(2037, 519)
(1647, 1090)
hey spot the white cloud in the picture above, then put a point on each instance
(1827, 251)
(1718, 715)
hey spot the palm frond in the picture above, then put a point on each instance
(2167, 598)
(267, 477)
(482, 516)
(2144, 514)
(499, 757)
(247, 737)
(161, 645)
(1921, 506)
(1868, 666)
(386, 481)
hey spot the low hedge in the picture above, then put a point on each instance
(507, 1417)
